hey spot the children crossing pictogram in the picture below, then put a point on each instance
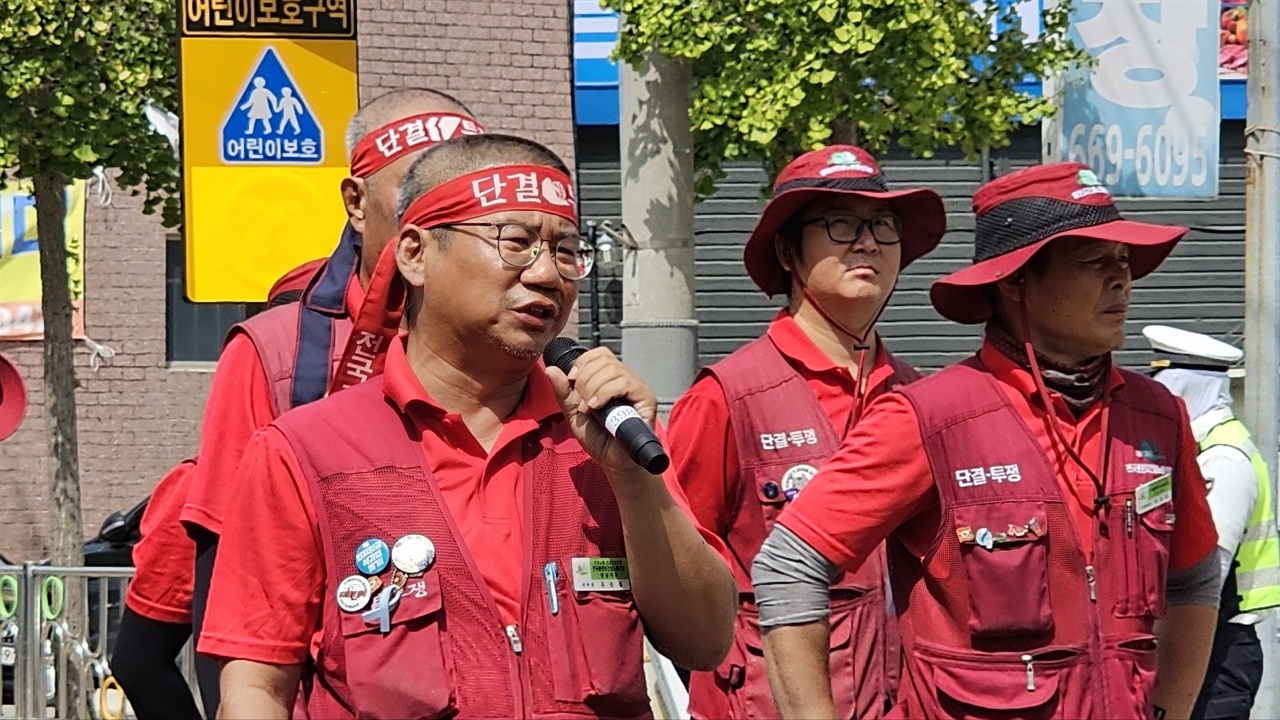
(270, 122)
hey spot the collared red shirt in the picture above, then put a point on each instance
(265, 607)
(239, 405)
(880, 481)
(703, 448)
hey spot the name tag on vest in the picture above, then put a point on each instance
(601, 574)
(1149, 496)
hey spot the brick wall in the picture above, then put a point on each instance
(136, 417)
(509, 62)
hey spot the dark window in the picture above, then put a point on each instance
(193, 331)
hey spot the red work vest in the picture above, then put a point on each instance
(447, 652)
(274, 333)
(1006, 616)
(783, 435)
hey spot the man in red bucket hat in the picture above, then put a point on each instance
(13, 398)
(1029, 493)
(755, 426)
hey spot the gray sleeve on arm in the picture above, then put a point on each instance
(792, 580)
(1200, 584)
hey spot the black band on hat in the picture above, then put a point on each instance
(1025, 221)
(875, 183)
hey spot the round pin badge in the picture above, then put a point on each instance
(413, 554)
(794, 479)
(372, 556)
(771, 490)
(354, 593)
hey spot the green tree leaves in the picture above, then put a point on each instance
(77, 75)
(774, 78)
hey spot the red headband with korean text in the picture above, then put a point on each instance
(394, 140)
(376, 325)
(496, 189)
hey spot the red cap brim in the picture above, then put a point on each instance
(13, 398)
(924, 222)
(959, 296)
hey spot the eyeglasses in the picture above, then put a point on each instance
(520, 245)
(846, 229)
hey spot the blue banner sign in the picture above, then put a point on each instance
(1145, 117)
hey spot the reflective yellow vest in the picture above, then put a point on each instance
(1258, 569)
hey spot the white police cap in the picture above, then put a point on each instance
(1188, 347)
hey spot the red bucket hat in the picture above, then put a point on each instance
(844, 170)
(1022, 212)
(13, 398)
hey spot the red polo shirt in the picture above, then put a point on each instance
(703, 448)
(239, 405)
(265, 606)
(165, 556)
(880, 482)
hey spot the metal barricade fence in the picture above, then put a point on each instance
(45, 654)
(42, 652)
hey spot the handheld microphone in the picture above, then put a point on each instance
(619, 417)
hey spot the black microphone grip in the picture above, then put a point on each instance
(618, 416)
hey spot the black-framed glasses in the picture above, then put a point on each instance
(846, 229)
(520, 245)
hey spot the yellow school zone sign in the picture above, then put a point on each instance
(263, 120)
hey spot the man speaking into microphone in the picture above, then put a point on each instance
(463, 535)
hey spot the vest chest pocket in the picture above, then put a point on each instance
(778, 483)
(1141, 542)
(1004, 551)
(767, 481)
(595, 643)
(404, 672)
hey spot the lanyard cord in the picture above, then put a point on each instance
(1099, 482)
(860, 344)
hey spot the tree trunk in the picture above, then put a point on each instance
(844, 132)
(59, 371)
(60, 406)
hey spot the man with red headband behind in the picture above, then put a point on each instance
(1029, 493)
(755, 427)
(292, 355)
(156, 622)
(460, 536)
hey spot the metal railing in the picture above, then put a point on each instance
(45, 654)
(58, 655)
